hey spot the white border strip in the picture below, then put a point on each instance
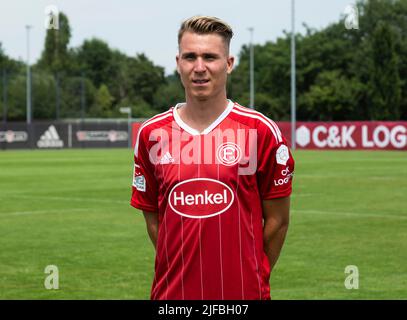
(249, 111)
(262, 120)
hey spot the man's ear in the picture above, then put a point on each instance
(177, 60)
(230, 64)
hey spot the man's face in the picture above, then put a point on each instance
(203, 63)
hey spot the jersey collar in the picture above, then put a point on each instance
(212, 126)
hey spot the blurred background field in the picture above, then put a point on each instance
(70, 208)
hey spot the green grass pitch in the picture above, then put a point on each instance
(70, 208)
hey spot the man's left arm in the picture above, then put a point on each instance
(276, 215)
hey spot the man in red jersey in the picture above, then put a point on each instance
(213, 180)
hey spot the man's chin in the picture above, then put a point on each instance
(201, 96)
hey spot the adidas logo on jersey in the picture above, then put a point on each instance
(167, 158)
(50, 139)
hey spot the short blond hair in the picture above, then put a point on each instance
(206, 25)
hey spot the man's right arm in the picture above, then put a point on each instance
(152, 225)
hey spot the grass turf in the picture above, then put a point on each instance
(70, 208)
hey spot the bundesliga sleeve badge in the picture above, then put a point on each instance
(282, 155)
(139, 182)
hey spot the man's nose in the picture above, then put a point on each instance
(199, 65)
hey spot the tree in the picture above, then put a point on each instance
(331, 97)
(169, 94)
(385, 85)
(55, 57)
(145, 78)
(341, 74)
(2, 57)
(103, 103)
(14, 72)
(95, 58)
(16, 100)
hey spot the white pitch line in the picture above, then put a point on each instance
(105, 200)
(68, 199)
(21, 213)
(299, 194)
(354, 214)
(333, 176)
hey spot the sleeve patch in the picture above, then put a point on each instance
(139, 182)
(282, 155)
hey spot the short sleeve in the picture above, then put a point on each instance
(144, 186)
(275, 167)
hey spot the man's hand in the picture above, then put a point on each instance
(152, 226)
(276, 214)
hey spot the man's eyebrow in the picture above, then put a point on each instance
(205, 54)
(188, 54)
(210, 54)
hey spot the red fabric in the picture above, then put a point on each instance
(210, 240)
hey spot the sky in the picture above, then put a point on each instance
(151, 27)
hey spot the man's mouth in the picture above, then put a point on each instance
(200, 81)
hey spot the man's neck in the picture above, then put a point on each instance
(200, 114)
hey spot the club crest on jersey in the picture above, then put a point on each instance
(228, 154)
(200, 198)
(282, 155)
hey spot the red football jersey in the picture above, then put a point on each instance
(208, 189)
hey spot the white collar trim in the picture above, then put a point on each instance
(213, 125)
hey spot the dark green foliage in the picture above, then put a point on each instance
(55, 57)
(384, 78)
(341, 74)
